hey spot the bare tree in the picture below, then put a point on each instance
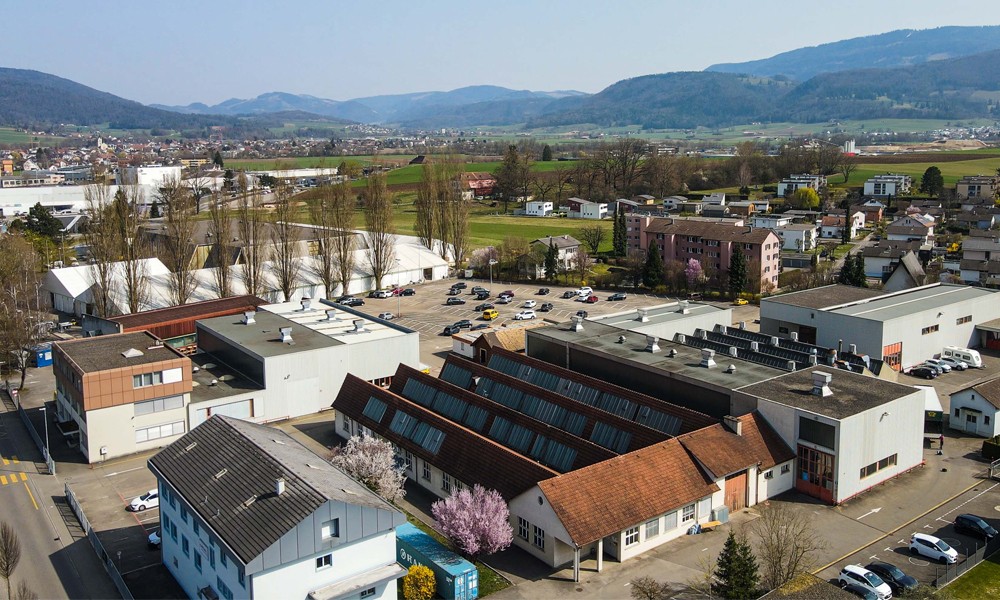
(24, 592)
(285, 244)
(582, 263)
(99, 235)
(176, 245)
(848, 164)
(625, 163)
(251, 225)
(221, 227)
(647, 588)
(426, 206)
(342, 219)
(593, 236)
(322, 218)
(459, 229)
(512, 249)
(10, 552)
(786, 543)
(133, 244)
(381, 232)
(19, 324)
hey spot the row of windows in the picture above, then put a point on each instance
(931, 329)
(170, 527)
(148, 407)
(963, 320)
(147, 379)
(156, 432)
(875, 467)
(769, 474)
(537, 533)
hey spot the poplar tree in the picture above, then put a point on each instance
(737, 272)
(652, 271)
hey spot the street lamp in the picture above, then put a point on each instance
(46, 423)
(492, 262)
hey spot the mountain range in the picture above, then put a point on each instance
(944, 73)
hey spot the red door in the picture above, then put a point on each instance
(736, 491)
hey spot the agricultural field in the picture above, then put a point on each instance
(311, 162)
(19, 138)
(952, 171)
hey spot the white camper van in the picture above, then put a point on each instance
(969, 357)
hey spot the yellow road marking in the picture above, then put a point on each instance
(30, 495)
(6, 462)
(24, 477)
(14, 458)
(3, 479)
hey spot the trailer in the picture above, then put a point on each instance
(455, 577)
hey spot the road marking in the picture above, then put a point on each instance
(6, 462)
(30, 495)
(3, 479)
(871, 512)
(24, 477)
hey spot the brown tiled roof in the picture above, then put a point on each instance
(712, 231)
(990, 391)
(463, 452)
(809, 587)
(723, 452)
(196, 310)
(509, 338)
(613, 495)
(833, 221)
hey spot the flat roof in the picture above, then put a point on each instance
(661, 313)
(852, 393)
(687, 360)
(211, 380)
(914, 301)
(340, 330)
(104, 352)
(263, 337)
(824, 297)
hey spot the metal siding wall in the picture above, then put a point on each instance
(369, 521)
(289, 545)
(272, 556)
(351, 527)
(307, 533)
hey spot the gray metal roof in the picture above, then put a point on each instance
(913, 301)
(263, 337)
(824, 297)
(661, 313)
(219, 466)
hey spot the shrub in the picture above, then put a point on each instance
(991, 448)
(419, 584)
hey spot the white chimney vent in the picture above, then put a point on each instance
(707, 358)
(331, 314)
(701, 333)
(642, 315)
(359, 325)
(733, 424)
(853, 348)
(684, 307)
(731, 369)
(821, 383)
(755, 346)
(279, 486)
(794, 335)
(652, 343)
(812, 359)
(681, 338)
(734, 351)
(248, 317)
(305, 302)
(286, 335)
(577, 324)
(743, 324)
(672, 353)
(774, 340)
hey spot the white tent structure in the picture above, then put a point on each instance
(72, 289)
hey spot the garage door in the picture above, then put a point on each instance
(736, 492)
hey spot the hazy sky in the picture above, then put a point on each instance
(182, 51)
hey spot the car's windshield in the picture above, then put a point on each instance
(146, 496)
(894, 572)
(978, 522)
(873, 579)
(942, 546)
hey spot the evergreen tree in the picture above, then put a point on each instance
(932, 183)
(41, 221)
(551, 261)
(736, 571)
(845, 231)
(217, 159)
(737, 272)
(154, 210)
(652, 271)
(844, 277)
(858, 278)
(546, 153)
(619, 232)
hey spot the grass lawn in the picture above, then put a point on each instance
(14, 137)
(311, 162)
(489, 580)
(983, 581)
(951, 171)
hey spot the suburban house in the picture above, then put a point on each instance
(538, 208)
(714, 199)
(881, 258)
(977, 187)
(681, 204)
(788, 185)
(711, 244)
(584, 209)
(881, 186)
(832, 226)
(743, 208)
(980, 259)
(982, 217)
(873, 211)
(976, 409)
(477, 185)
(247, 511)
(800, 237)
(769, 221)
(566, 252)
(907, 274)
(910, 228)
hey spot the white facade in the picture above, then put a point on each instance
(971, 413)
(153, 175)
(788, 186)
(759, 221)
(887, 185)
(800, 239)
(538, 208)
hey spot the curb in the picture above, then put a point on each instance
(893, 532)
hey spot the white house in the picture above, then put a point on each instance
(887, 185)
(976, 409)
(801, 237)
(769, 221)
(151, 175)
(585, 209)
(715, 199)
(538, 208)
(832, 226)
(246, 511)
(566, 251)
(910, 228)
(788, 186)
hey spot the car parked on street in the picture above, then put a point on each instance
(524, 315)
(861, 576)
(529, 304)
(461, 285)
(899, 581)
(933, 548)
(150, 499)
(740, 302)
(479, 326)
(409, 292)
(546, 307)
(617, 297)
(975, 526)
(453, 301)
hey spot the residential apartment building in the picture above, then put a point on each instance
(788, 185)
(711, 244)
(801, 237)
(246, 511)
(584, 209)
(977, 187)
(912, 227)
(881, 186)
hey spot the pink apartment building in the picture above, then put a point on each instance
(711, 244)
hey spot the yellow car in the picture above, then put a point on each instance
(740, 302)
(490, 314)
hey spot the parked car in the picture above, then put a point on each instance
(529, 304)
(933, 548)
(617, 297)
(585, 291)
(591, 299)
(899, 581)
(463, 324)
(524, 315)
(504, 299)
(954, 363)
(740, 302)
(509, 293)
(924, 372)
(154, 540)
(861, 576)
(397, 291)
(386, 316)
(352, 302)
(383, 294)
(581, 313)
(409, 292)
(450, 330)
(479, 289)
(490, 314)
(546, 307)
(482, 295)
(543, 291)
(975, 526)
(453, 301)
(484, 306)
(569, 294)
(344, 297)
(454, 292)
(860, 591)
(479, 326)
(461, 285)
(150, 499)
(937, 362)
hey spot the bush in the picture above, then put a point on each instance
(660, 290)
(419, 583)
(991, 448)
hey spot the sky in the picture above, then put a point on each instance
(185, 51)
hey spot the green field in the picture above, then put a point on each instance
(311, 162)
(983, 581)
(951, 171)
(14, 137)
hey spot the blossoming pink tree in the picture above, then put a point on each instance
(476, 521)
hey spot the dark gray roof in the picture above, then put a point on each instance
(559, 241)
(104, 352)
(250, 458)
(852, 393)
(823, 297)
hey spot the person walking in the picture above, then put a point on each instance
(941, 442)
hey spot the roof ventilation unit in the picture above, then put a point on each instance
(794, 336)
(305, 302)
(642, 315)
(707, 358)
(577, 324)
(279, 486)
(359, 325)
(821, 384)
(132, 353)
(286, 335)
(734, 351)
(684, 308)
(248, 317)
(652, 343)
(331, 314)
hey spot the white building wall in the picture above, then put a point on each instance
(969, 401)
(114, 428)
(782, 479)
(541, 514)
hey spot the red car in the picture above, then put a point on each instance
(397, 291)
(507, 293)
(591, 299)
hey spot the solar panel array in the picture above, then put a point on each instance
(375, 409)
(445, 404)
(546, 451)
(580, 392)
(536, 408)
(420, 433)
(456, 375)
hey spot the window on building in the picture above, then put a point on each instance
(956, 413)
(670, 521)
(184, 514)
(875, 467)
(147, 379)
(211, 558)
(427, 471)
(330, 529)
(653, 528)
(986, 420)
(222, 559)
(963, 320)
(158, 405)
(194, 524)
(539, 537)
(769, 474)
(156, 432)
(173, 532)
(446, 482)
(224, 590)
(927, 330)
(408, 460)
(347, 424)
(631, 536)
(785, 468)
(197, 561)
(687, 513)
(242, 577)
(324, 562)
(185, 546)
(522, 528)
(368, 593)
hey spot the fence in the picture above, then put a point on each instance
(109, 564)
(948, 573)
(42, 446)
(995, 469)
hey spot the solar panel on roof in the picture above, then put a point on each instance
(504, 365)
(420, 433)
(558, 456)
(612, 438)
(450, 406)
(402, 424)
(475, 418)
(433, 441)
(617, 405)
(575, 422)
(375, 409)
(500, 393)
(510, 434)
(419, 392)
(658, 420)
(456, 375)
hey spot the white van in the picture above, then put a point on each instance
(969, 357)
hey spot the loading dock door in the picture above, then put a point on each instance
(736, 491)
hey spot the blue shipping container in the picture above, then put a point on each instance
(456, 578)
(43, 355)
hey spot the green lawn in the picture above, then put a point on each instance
(14, 137)
(311, 162)
(489, 580)
(951, 171)
(983, 581)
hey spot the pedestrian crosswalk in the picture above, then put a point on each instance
(12, 478)
(7, 461)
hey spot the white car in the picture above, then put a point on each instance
(870, 581)
(383, 294)
(530, 304)
(154, 539)
(524, 315)
(937, 362)
(504, 300)
(150, 499)
(386, 316)
(585, 291)
(954, 363)
(932, 547)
